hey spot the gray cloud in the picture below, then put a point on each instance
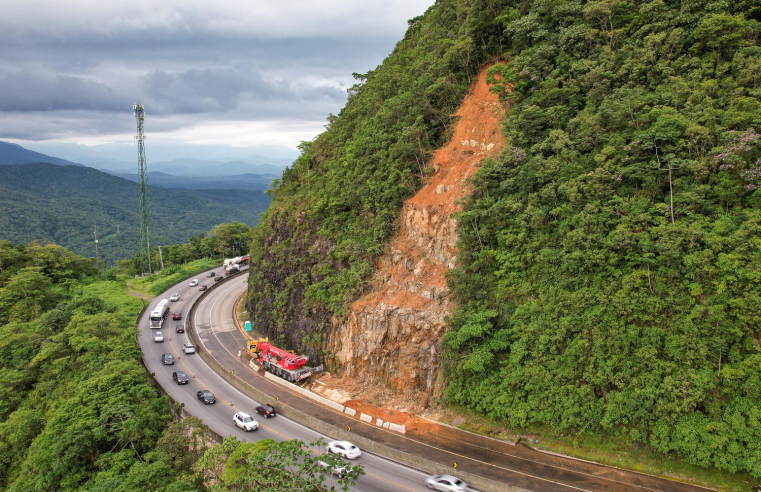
(24, 91)
(72, 71)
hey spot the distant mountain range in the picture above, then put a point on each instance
(208, 168)
(63, 203)
(11, 153)
(251, 182)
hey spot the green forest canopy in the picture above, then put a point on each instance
(78, 410)
(617, 286)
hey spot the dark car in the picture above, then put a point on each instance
(217, 279)
(203, 287)
(179, 329)
(177, 316)
(180, 377)
(266, 410)
(207, 397)
(167, 359)
(211, 274)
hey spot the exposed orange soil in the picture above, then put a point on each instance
(392, 334)
(476, 136)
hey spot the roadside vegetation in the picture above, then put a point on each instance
(78, 410)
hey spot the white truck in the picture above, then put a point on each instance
(233, 264)
(159, 314)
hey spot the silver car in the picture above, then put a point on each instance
(446, 483)
(158, 337)
(175, 297)
(188, 348)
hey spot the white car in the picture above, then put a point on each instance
(188, 348)
(446, 483)
(339, 471)
(158, 337)
(193, 283)
(175, 297)
(245, 422)
(345, 449)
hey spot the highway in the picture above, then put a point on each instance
(520, 467)
(382, 475)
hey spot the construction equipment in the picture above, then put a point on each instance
(279, 362)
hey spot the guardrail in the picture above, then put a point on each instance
(329, 430)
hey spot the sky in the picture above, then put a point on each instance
(251, 74)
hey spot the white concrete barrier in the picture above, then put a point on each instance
(379, 422)
(397, 428)
(365, 418)
(386, 424)
(350, 411)
(303, 392)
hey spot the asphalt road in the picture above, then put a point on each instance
(214, 315)
(519, 467)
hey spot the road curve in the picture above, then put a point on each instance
(220, 337)
(382, 475)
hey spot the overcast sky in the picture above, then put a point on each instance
(241, 73)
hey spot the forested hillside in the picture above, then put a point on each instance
(78, 410)
(608, 276)
(63, 204)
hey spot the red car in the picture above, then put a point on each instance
(177, 316)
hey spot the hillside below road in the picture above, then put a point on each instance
(382, 475)
(515, 465)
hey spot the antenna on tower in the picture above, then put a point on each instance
(146, 225)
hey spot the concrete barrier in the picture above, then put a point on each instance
(379, 422)
(365, 418)
(350, 411)
(397, 428)
(386, 424)
(304, 392)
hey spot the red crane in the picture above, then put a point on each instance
(281, 357)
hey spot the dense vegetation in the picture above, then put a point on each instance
(615, 283)
(224, 240)
(335, 208)
(62, 204)
(78, 411)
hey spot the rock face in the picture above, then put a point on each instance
(392, 334)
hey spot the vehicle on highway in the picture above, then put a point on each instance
(179, 329)
(207, 397)
(180, 377)
(245, 422)
(167, 359)
(210, 274)
(203, 287)
(193, 283)
(337, 470)
(217, 279)
(175, 297)
(266, 410)
(176, 316)
(158, 337)
(345, 449)
(188, 348)
(446, 483)
(159, 314)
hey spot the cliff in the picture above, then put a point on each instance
(393, 332)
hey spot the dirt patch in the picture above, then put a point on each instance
(391, 336)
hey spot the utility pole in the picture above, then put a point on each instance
(97, 258)
(162, 258)
(142, 173)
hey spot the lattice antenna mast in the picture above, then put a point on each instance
(146, 224)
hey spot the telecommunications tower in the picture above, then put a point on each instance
(146, 225)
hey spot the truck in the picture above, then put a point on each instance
(232, 265)
(159, 314)
(281, 363)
